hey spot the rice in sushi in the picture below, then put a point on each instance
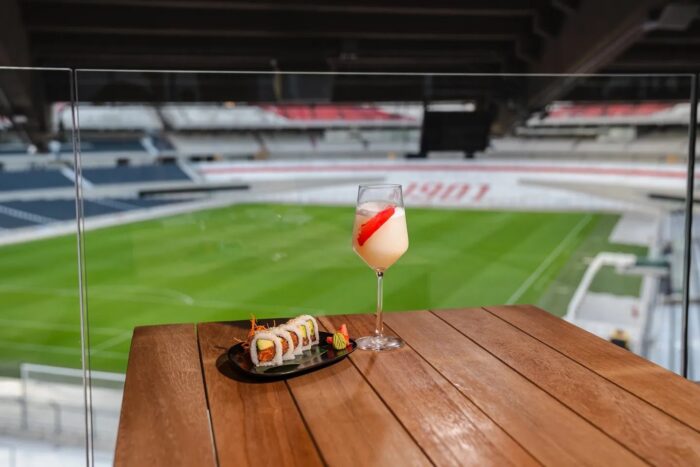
(295, 334)
(266, 349)
(286, 341)
(312, 326)
(304, 330)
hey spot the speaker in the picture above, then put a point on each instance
(455, 131)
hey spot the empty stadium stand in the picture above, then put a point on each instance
(135, 174)
(240, 144)
(52, 200)
(122, 117)
(10, 222)
(15, 214)
(33, 180)
(208, 117)
(50, 210)
(326, 112)
(106, 146)
(13, 148)
(288, 142)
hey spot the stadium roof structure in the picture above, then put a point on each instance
(477, 36)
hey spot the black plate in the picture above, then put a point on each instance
(317, 357)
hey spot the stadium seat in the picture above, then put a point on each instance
(15, 214)
(33, 180)
(135, 174)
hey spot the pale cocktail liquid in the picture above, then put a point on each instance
(388, 243)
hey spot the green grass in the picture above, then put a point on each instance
(558, 294)
(275, 260)
(608, 280)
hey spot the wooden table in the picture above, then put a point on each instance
(491, 386)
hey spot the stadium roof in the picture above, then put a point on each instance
(483, 36)
(354, 35)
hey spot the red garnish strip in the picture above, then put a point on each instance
(344, 331)
(368, 228)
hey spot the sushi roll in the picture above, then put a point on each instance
(286, 341)
(303, 330)
(266, 349)
(295, 334)
(312, 326)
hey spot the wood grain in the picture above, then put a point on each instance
(644, 429)
(656, 385)
(254, 423)
(350, 423)
(550, 431)
(495, 386)
(449, 428)
(164, 412)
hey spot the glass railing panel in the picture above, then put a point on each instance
(689, 340)
(221, 196)
(42, 403)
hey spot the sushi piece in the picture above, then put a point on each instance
(295, 334)
(312, 326)
(254, 327)
(266, 349)
(303, 331)
(286, 341)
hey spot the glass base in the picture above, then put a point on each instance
(379, 343)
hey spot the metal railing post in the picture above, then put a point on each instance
(690, 189)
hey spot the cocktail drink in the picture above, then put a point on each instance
(380, 238)
(382, 247)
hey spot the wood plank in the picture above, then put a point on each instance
(656, 385)
(644, 429)
(550, 431)
(254, 423)
(450, 428)
(164, 411)
(350, 423)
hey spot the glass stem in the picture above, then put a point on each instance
(379, 327)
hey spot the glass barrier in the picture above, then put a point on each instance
(691, 338)
(42, 396)
(222, 196)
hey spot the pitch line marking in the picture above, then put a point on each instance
(56, 326)
(100, 348)
(549, 260)
(112, 292)
(141, 295)
(59, 349)
(25, 215)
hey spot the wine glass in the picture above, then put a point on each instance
(380, 238)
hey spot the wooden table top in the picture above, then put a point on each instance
(486, 386)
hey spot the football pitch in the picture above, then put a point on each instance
(280, 260)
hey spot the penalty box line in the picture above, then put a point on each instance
(525, 286)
